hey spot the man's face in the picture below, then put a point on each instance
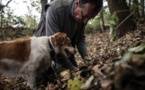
(84, 13)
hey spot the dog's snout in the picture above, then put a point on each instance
(73, 51)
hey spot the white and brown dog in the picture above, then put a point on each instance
(31, 56)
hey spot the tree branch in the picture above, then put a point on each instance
(3, 6)
(8, 3)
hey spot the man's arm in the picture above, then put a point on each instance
(82, 47)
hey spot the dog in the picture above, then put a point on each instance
(31, 56)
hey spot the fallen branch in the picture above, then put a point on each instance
(124, 20)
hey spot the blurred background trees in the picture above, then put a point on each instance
(129, 12)
(8, 19)
(126, 20)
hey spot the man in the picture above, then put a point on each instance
(69, 16)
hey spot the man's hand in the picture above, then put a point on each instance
(87, 59)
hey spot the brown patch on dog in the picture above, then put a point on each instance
(61, 39)
(18, 50)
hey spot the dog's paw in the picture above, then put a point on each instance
(31, 85)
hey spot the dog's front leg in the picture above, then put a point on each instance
(32, 81)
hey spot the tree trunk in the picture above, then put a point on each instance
(102, 21)
(43, 3)
(122, 10)
(136, 8)
(142, 8)
(129, 3)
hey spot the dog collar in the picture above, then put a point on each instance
(52, 52)
(50, 45)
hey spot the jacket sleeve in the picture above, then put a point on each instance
(52, 22)
(81, 45)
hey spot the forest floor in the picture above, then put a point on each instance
(117, 65)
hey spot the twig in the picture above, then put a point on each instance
(3, 6)
(124, 20)
(8, 3)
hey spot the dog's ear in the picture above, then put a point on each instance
(60, 38)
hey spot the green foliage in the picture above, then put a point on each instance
(36, 5)
(13, 33)
(30, 18)
(138, 50)
(1, 19)
(113, 23)
(18, 21)
(30, 21)
(94, 24)
(9, 19)
(74, 84)
(135, 54)
(106, 17)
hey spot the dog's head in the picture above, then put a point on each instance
(62, 44)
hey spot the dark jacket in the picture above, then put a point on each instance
(59, 18)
